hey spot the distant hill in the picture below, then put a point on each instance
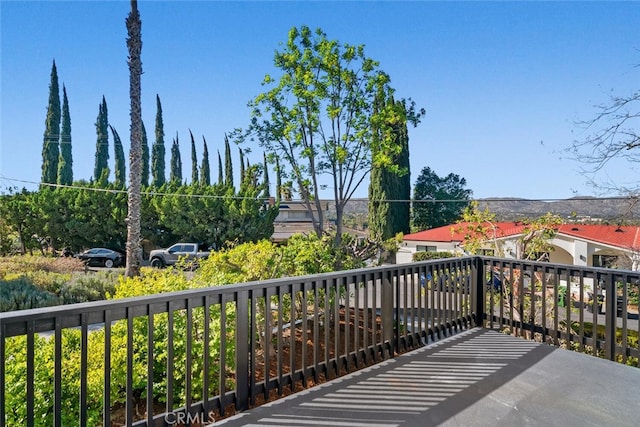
(509, 208)
(578, 208)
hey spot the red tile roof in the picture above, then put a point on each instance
(620, 236)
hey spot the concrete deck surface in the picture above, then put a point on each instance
(475, 378)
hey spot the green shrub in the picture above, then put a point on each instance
(89, 287)
(26, 263)
(21, 294)
(428, 255)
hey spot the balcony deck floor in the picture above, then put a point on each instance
(477, 377)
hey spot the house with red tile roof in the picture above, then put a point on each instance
(590, 245)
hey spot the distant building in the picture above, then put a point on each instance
(294, 218)
(589, 245)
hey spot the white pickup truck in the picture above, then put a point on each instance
(162, 257)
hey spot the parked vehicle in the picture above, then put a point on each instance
(163, 257)
(101, 257)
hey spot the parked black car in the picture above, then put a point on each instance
(102, 257)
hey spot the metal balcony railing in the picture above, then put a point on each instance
(150, 361)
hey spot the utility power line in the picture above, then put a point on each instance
(364, 199)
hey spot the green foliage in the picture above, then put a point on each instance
(438, 201)
(267, 184)
(317, 117)
(228, 163)
(241, 263)
(169, 280)
(299, 255)
(145, 157)
(50, 146)
(205, 170)
(32, 282)
(478, 230)
(536, 234)
(8, 238)
(158, 150)
(220, 170)
(175, 172)
(17, 265)
(65, 163)
(390, 183)
(428, 255)
(102, 144)
(120, 163)
(89, 287)
(194, 161)
(44, 350)
(21, 294)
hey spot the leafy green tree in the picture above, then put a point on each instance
(228, 163)
(65, 162)
(144, 179)
(317, 118)
(438, 201)
(205, 172)
(99, 218)
(120, 168)
(175, 173)
(19, 211)
(158, 150)
(194, 160)
(50, 146)
(102, 143)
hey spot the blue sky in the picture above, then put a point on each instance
(503, 83)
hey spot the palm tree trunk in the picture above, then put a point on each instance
(134, 44)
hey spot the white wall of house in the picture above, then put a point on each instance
(568, 250)
(409, 247)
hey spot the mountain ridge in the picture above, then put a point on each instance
(579, 208)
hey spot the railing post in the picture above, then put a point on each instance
(611, 317)
(477, 294)
(387, 312)
(2, 374)
(242, 351)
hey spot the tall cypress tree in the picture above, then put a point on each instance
(118, 151)
(194, 160)
(390, 186)
(267, 191)
(242, 169)
(401, 212)
(278, 181)
(220, 169)
(205, 173)
(102, 145)
(50, 146)
(158, 151)
(144, 145)
(228, 164)
(65, 162)
(175, 175)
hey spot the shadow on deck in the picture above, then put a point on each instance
(477, 377)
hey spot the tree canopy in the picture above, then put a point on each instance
(316, 117)
(438, 201)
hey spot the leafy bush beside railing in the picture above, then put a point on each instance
(246, 262)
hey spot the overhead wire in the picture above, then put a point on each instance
(354, 199)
